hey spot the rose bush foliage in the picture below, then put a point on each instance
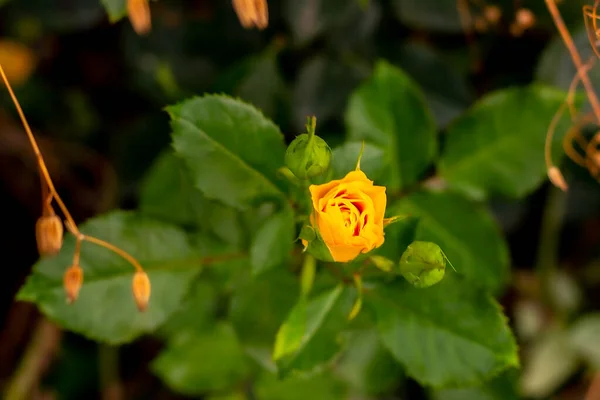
(293, 284)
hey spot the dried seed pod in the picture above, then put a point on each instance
(252, 13)
(49, 235)
(492, 14)
(73, 280)
(139, 15)
(557, 178)
(141, 290)
(525, 18)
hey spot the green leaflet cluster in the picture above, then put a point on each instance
(216, 231)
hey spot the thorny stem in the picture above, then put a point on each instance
(70, 222)
(575, 56)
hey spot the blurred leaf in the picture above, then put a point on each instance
(116, 9)
(232, 150)
(105, 310)
(466, 233)
(260, 305)
(167, 192)
(320, 387)
(197, 311)
(238, 395)
(307, 338)
(344, 160)
(273, 242)
(446, 90)
(549, 362)
(502, 387)
(457, 332)
(264, 85)
(497, 147)
(390, 111)
(432, 15)
(62, 15)
(309, 18)
(583, 338)
(322, 88)
(367, 366)
(198, 362)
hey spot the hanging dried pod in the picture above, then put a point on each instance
(139, 15)
(49, 235)
(252, 13)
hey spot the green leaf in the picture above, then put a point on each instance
(298, 332)
(197, 311)
(502, 387)
(367, 366)
(105, 310)
(116, 9)
(466, 233)
(451, 334)
(323, 86)
(446, 87)
(273, 242)
(232, 150)
(167, 192)
(487, 153)
(345, 157)
(309, 18)
(198, 362)
(320, 387)
(389, 110)
(260, 305)
(434, 15)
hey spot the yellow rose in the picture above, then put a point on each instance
(348, 214)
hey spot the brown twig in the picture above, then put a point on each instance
(575, 56)
(39, 352)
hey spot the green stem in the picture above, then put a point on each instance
(309, 268)
(547, 254)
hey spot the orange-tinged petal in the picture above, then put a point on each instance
(343, 253)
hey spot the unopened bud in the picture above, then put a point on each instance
(73, 280)
(557, 178)
(308, 157)
(252, 13)
(141, 290)
(139, 15)
(49, 235)
(423, 264)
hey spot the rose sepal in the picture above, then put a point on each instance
(314, 244)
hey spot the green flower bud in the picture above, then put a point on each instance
(423, 264)
(308, 155)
